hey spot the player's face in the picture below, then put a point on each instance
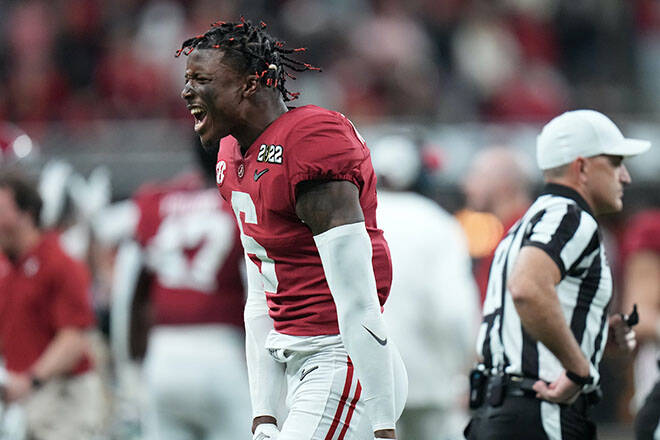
(213, 94)
(606, 177)
(9, 219)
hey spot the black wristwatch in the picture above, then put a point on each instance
(579, 380)
(36, 382)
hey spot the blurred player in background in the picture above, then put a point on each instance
(179, 280)
(302, 187)
(433, 309)
(641, 259)
(45, 312)
(499, 181)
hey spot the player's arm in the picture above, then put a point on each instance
(332, 211)
(129, 300)
(265, 375)
(532, 285)
(62, 354)
(642, 287)
(141, 318)
(71, 316)
(59, 358)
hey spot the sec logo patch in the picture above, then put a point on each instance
(220, 168)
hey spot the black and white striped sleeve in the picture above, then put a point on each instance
(563, 231)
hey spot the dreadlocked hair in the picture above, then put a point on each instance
(249, 48)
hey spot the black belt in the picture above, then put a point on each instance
(518, 386)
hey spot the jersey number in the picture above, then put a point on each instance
(210, 232)
(242, 203)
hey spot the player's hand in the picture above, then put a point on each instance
(384, 433)
(266, 431)
(624, 336)
(18, 386)
(562, 390)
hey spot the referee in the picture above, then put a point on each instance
(545, 318)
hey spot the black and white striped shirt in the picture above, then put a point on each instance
(561, 224)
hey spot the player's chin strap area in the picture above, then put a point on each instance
(346, 254)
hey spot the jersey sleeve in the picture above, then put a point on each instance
(71, 296)
(642, 234)
(325, 146)
(565, 232)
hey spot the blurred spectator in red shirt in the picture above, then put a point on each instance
(45, 311)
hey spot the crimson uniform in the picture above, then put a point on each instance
(261, 188)
(643, 234)
(303, 144)
(195, 364)
(193, 248)
(41, 293)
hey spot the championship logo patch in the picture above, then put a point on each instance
(270, 154)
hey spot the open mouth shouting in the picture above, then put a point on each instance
(199, 113)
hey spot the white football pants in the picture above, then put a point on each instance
(197, 384)
(323, 394)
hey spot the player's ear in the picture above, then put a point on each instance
(250, 86)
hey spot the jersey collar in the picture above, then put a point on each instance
(565, 191)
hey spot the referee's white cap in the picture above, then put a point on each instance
(582, 133)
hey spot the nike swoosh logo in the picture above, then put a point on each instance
(259, 174)
(305, 373)
(379, 340)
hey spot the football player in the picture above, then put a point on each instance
(178, 280)
(302, 187)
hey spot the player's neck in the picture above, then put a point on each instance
(257, 120)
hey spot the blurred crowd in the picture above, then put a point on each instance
(78, 60)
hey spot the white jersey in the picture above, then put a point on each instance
(432, 310)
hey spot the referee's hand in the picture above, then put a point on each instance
(562, 390)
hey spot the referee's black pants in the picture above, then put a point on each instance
(519, 418)
(646, 423)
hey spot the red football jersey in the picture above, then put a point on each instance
(45, 290)
(305, 143)
(642, 233)
(192, 247)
